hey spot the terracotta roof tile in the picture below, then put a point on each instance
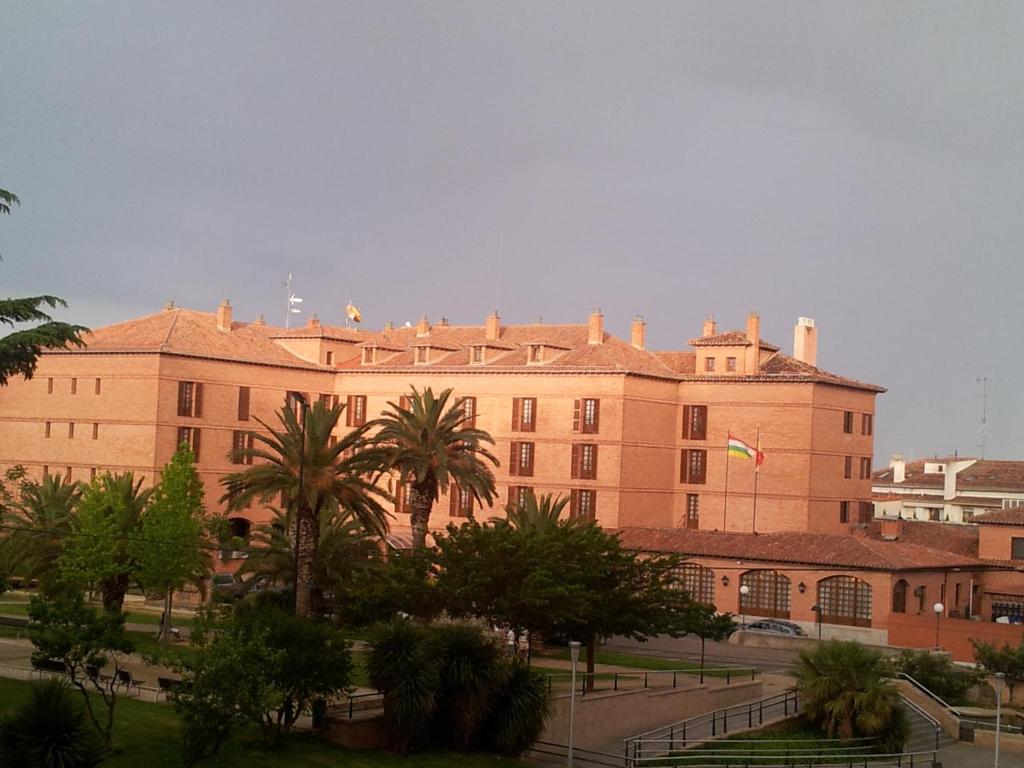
(984, 474)
(1012, 516)
(946, 537)
(195, 334)
(831, 550)
(729, 339)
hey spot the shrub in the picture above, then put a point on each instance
(938, 673)
(50, 731)
(517, 716)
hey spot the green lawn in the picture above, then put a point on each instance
(14, 606)
(148, 734)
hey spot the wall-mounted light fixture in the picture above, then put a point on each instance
(725, 581)
(801, 587)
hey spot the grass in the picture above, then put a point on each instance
(149, 734)
(12, 606)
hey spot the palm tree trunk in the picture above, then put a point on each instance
(420, 501)
(306, 557)
(113, 590)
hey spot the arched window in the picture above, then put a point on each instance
(899, 596)
(768, 595)
(697, 581)
(240, 527)
(845, 600)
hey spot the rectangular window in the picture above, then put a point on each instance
(844, 511)
(867, 423)
(330, 358)
(74, 386)
(355, 411)
(460, 501)
(46, 431)
(692, 510)
(294, 404)
(67, 474)
(536, 353)
(49, 386)
(695, 422)
(71, 430)
(730, 364)
(520, 460)
(848, 422)
(583, 503)
(517, 495)
(240, 440)
(584, 461)
(865, 512)
(848, 467)
(586, 416)
(97, 386)
(865, 468)
(404, 402)
(422, 354)
(190, 399)
(190, 436)
(693, 466)
(243, 403)
(46, 471)
(478, 354)
(368, 355)
(524, 414)
(709, 364)
(402, 498)
(468, 413)
(95, 430)
(1016, 548)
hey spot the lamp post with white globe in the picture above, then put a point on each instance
(744, 591)
(938, 608)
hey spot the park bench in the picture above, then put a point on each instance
(17, 622)
(125, 678)
(51, 666)
(168, 686)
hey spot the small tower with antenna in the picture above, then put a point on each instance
(290, 308)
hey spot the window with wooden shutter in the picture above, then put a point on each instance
(197, 410)
(238, 443)
(524, 414)
(867, 423)
(513, 459)
(695, 422)
(468, 413)
(330, 358)
(98, 384)
(402, 504)
(243, 403)
(848, 422)
(521, 459)
(74, 387)
(844, 511)
(865, 468)
(71, 430)
(591, 416)
(693, 466)
(185, 397)
(584, 461)
(848, 467)
(49, 386)
(692, 511)
(47, 429)
(478, 354)
(461, 502)
(95, 430)
(583, 503)
(190, 436)
(865, 512)
(355, 411)
(517, 495)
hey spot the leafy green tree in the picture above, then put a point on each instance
(86, 641)
(846, 692)
(333, 473)
(1008, 660)
(50, 731)
(938, 673)
(103, 552)
(170, 550)
(39, 523)
(538, 515)
(707, 624)
(7, 199)
(383, 588)
(431, 445)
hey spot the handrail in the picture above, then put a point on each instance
(927, 692)
(708, 716)
(730, 674)
(922, 713)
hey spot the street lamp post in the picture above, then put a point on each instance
(304, 405)
(999, 713)
(816, 609)
(574, 653)
(744, 591)
(938, 608)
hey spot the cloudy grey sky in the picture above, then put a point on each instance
(860, 163)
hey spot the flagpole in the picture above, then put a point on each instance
(757, 452)
(725, 503)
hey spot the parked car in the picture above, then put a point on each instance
(228, 587)
(775, 627)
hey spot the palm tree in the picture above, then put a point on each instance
(332, 473)
(40, 520)
(846, 692)
(538, 516)
(431, 445)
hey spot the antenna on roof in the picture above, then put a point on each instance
(290, 308)
(983, 381)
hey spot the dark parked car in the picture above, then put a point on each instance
(776, 627)
(228, 587)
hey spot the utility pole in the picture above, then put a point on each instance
(983, 382)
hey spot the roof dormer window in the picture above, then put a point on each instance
(369, 355)
(422, 355)
(535, 353)
(477, 355)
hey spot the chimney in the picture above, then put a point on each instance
(709, 326)
(899, 468)
(444, 322)
(260, 321)
(224, 316)
(423, 327)
(805, 341)
(313, 321)
(595, 327)
(753, 366)
(891, 529)
(639, 333)
(389, 326)
(492, 326)
(168, 306)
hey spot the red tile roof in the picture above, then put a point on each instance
(1012, 516)
(194, 334)
(730, 339)
(797, 548)
(982, 475)
(946, 537)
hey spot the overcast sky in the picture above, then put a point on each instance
(860, 163)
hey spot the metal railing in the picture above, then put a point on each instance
(355, 703)
(653, 678)
(929, 693)
(682, 733)
(931, 720)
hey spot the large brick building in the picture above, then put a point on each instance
(635, 438)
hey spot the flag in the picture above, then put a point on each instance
(740, 450)
(353, 313)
